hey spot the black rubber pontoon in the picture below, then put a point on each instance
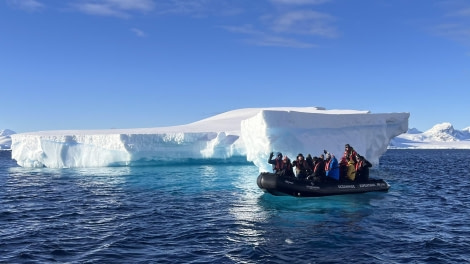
(281, 185)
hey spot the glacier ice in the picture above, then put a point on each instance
(249, 134)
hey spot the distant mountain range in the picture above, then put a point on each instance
(5, 139)
(440, 136)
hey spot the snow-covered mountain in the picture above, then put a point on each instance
(440, 136)
(414, 131)
(5, 139)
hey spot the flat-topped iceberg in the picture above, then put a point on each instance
(249, 134)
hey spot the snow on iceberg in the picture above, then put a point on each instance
(250, 134)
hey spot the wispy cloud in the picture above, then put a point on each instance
(28, 5)
(454, 30)
(299, 2)
(282, 23)
(260, 38)
(182, 7)
(287, 23)
(455, 22)
(198, 8)
(100, 10)
(138, 32)
(278, 41)
(124, 8)
(117, 8)
(304, 23)
(462, 13)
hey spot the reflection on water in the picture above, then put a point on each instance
(106, 171)
(208, 175)
(248, 215)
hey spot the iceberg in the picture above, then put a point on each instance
(250, 134)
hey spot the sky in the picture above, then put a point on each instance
(101, 64)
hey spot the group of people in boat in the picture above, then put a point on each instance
(352, 167)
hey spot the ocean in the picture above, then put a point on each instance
(215, 213)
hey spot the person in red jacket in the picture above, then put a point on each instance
(281, 166)
(287, 169)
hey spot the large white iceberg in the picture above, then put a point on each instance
(250, 134)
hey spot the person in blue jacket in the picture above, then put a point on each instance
(331, 166)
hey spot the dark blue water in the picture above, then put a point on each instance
(217, 214)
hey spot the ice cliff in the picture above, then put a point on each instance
(249, 134)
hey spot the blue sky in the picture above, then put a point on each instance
(91, 64)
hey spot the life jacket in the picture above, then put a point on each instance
(327, 165)
(279, 164)
(317, 166)
(359, 165)
(288, 166)
(332, 168)
(350, 155)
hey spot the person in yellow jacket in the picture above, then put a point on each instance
(349, 160)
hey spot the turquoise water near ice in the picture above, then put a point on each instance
(215, 213)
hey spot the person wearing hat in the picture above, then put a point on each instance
(277, 162)
(331, 166)
(318, 174)
(349, 153)
(348, 162)
(302, 170)
(287, 167)
(362, 169)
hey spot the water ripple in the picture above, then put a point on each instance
(216, 214)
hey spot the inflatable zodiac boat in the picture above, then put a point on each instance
(276, 184)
